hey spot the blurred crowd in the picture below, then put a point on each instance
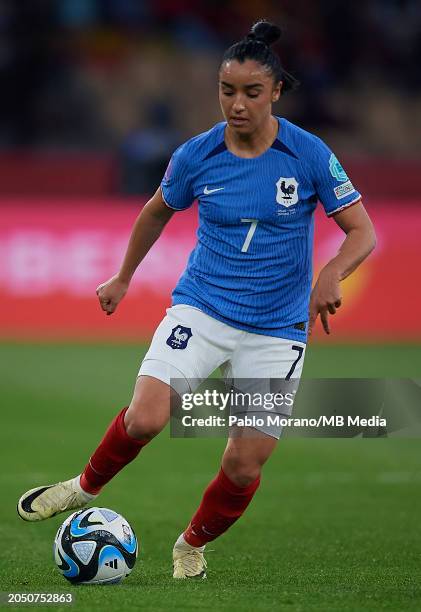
(140, 75)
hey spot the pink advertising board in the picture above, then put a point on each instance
(54, 253)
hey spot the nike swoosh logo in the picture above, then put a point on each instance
(207, 191)
(206, 531)
(27, 501)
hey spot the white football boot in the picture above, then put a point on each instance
(43, 502)
(188, 561)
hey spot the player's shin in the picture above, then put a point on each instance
(222, 505)
(115, 451)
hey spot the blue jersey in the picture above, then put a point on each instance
(252, 265)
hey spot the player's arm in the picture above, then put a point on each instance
(146, 230)
(359, 242)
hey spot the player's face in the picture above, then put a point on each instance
(246, 94)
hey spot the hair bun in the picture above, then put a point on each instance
(265, 31)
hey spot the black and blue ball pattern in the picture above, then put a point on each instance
(95, 546)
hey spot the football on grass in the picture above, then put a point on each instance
(95, 546)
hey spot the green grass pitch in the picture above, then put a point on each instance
(335, 525)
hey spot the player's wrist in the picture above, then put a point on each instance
(333, 270)
(124, 277)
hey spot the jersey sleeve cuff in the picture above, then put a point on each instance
(344, 206)
(167, 203)
(170, 205)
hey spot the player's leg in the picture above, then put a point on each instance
(133, 428)
(127, 434)
(228, 495)
(180, 353)
(225, 499)
(233, 488)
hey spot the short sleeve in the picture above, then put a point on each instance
(176, 185)
(333, 187)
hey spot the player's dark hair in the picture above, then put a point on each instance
(257, 46)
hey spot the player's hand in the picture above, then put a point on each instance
(325, 298)
(111, 293)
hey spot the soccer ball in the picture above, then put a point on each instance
(95, 546)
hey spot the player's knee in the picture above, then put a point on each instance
(142, 425)
(241, 472)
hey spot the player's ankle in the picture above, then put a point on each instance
(183, 543)
(86, 487)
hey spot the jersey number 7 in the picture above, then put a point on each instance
(250, 233)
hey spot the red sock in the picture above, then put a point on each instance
(223, 503)
(115, 450)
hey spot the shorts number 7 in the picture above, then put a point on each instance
(250, 233)
(300, 351)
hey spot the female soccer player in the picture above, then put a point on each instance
(244, 301)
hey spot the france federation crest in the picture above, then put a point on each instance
(180, 335)
(287, 191)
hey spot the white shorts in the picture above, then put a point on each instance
(189, 345)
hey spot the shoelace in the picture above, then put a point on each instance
(71, 497)
(68, 501)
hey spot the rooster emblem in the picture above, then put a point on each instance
(179, 337)
(287, 191)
